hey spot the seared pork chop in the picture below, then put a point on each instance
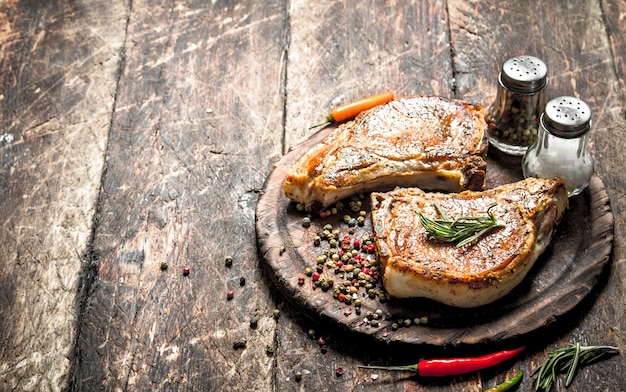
(424, 141)
(417, 265)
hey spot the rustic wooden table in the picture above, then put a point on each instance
(136, 133)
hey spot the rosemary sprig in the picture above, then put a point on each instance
(567, 360)
(463, 230)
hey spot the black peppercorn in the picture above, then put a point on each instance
(240, 343)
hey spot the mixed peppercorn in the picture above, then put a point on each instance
(346, 264)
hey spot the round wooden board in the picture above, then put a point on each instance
(560, 279)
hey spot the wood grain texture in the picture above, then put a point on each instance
(581, 57)
(192, 136)
(341, 51)
(103, 179)
(52, 143)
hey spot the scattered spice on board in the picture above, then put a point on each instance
(346, 264)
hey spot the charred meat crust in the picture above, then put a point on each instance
(425, 141)
(415, 265)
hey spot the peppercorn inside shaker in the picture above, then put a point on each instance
(561, 146)
(513, 118)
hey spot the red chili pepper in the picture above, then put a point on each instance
(453, 366)
(348, 111)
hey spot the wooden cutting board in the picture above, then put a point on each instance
(560, 279)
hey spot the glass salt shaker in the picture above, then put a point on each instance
(513, 118)
(561, 146)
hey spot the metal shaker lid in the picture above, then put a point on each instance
(567, 117)
(524, 74)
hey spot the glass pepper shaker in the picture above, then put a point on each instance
(513, 118)
(561, 146)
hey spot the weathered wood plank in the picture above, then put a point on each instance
(474, 75)
(344, 50)
(584, 61)
(340, 51)
(57, 59)
(211, 94)
(197, 124)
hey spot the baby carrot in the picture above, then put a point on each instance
(350, 110)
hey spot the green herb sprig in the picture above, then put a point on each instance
(463, 230)
(566, 360)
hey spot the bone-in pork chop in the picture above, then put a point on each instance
(423, 141)
(417, 265)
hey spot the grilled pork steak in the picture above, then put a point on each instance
(424, 141)
(417, 265)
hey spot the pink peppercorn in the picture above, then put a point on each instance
(315, 276)
(186, 270)
(230, 295)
